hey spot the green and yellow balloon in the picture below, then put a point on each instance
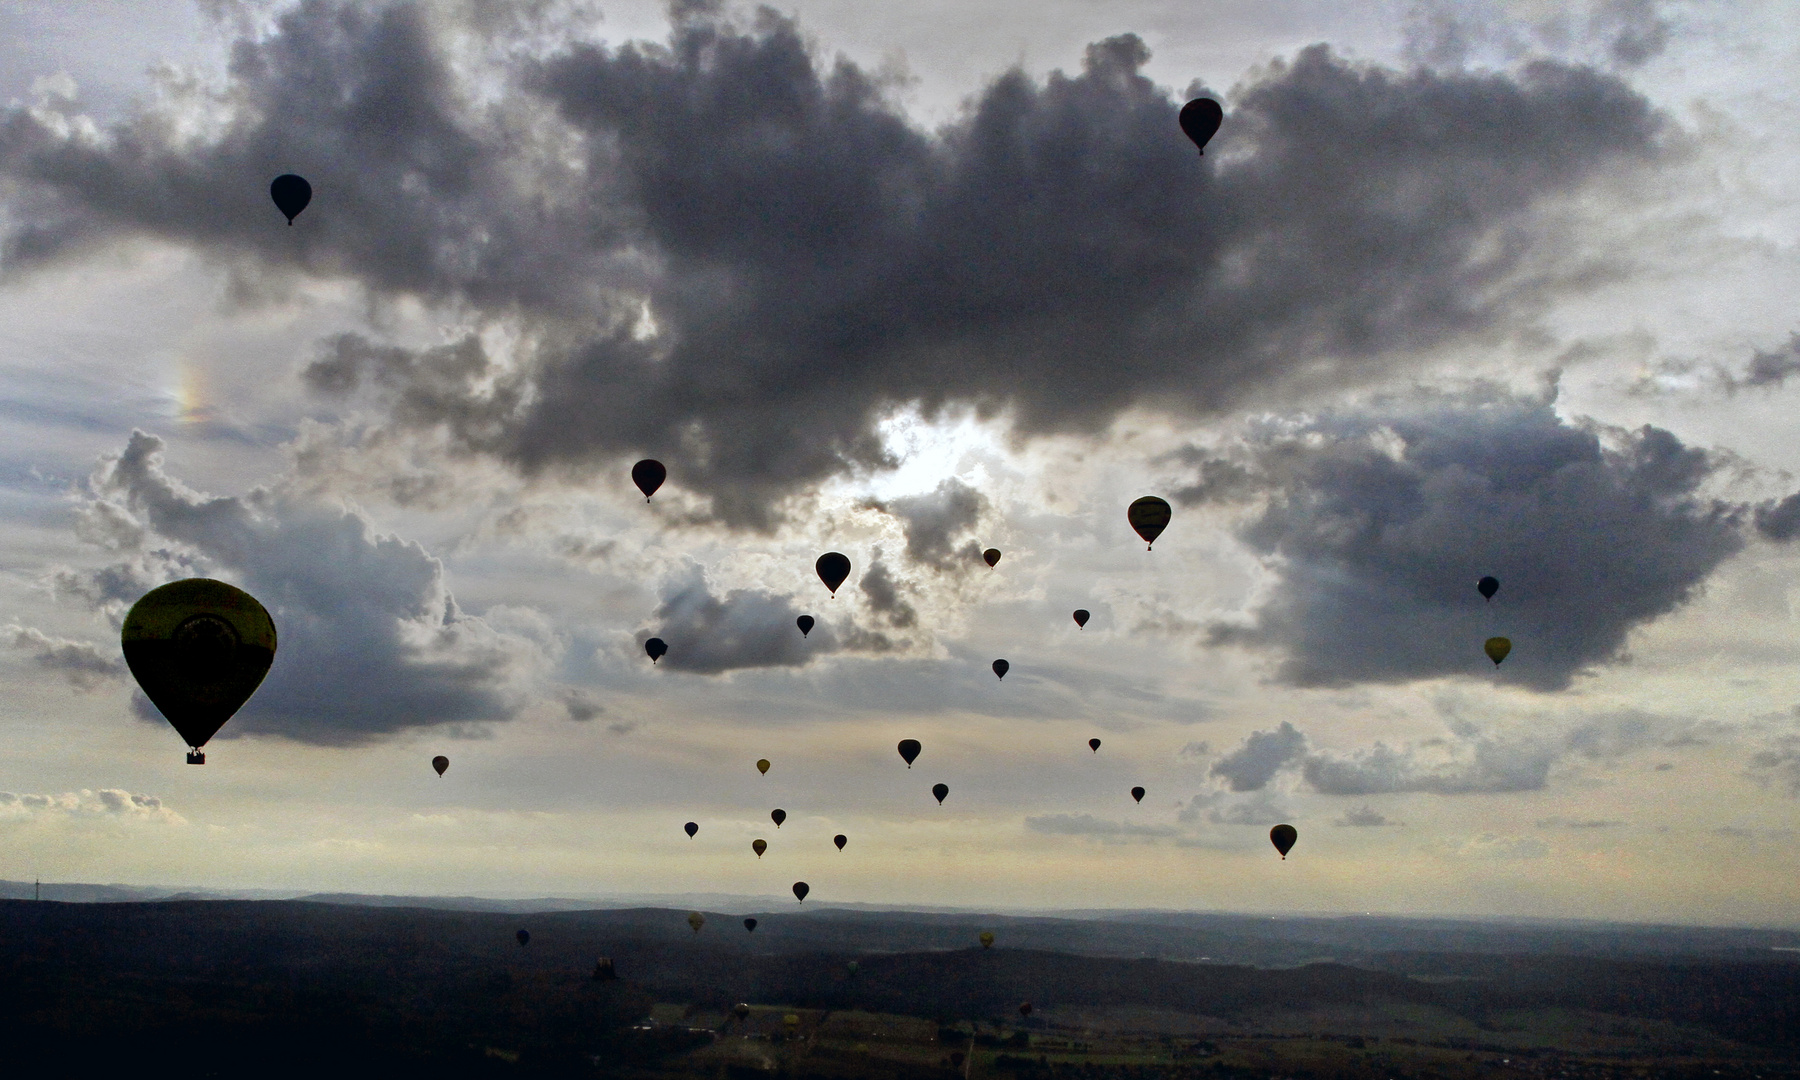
(199, 648)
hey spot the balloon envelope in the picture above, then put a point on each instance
(1081, 616)
(991, 556)
(759, 845)
(762, 766)
(648, 475)
(440, 763)
(840, 840)
(1488, 586)
(805, 623)
(833, 568)
(524, 937)
(987, 939)
(909, 750)
(854, 967)
(656, 648)
(1149, 516)
(1094, 745)
(199, 648)
(1283, 837)
(741, 1010)
(696, 920)
(291, 194)
(1200, 120)
(749, 925)
(1001, 667)
(940, 790)
(801, 888)
(778, 816)
(1025, 1008)
(691, 827)
(1497, 648)
(1137, 794)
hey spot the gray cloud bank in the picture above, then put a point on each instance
(736, 256)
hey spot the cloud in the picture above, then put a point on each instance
(1089, 825)
(1218, 808)
(739, 257)
(80, 662)
(1779, 521)
(113, 803)
(883, 592)
(746, 628)
(371, 639)
(1378, 523)
(581, 705)
(1363, 817)
(1195, 751)
(1567, 823)
(1264, 753)
(1494, 846)
(934, 521)
(1779, 764)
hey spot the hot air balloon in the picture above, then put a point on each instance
(742, 1009)
(696, 920)
(603, 969)
(1487, 587)
(778, 816)
(1094, 745)
(648, 475)
(987, 939)
(1200, 118)
(790, 1021)
(440, 763)
(524, 937)
(801, 888)
(199, 648)
(692, 827)
(805, 623)
(940, 790)
(291, 194)
(1137, 794)
(909, 749)
(750, 927)
(991, 556)
(853, 967)
(1001, 667)
(1149, 516)
(759, 845)
(833, 569)
(1081, 617)
(762, 766)
(1497, 648)
(1025, 1008)
(1283, 837)
(657, 648)
(840, 840)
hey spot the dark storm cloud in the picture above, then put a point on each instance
(808, 259)
(79, 662)
(1772, 368)
(1263, 754)
(745, 628)
(1379, 523)
(883, 593)
(371, 641)
(936, 520)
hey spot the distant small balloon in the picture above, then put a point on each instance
(656, 648)
(1200, 120)
(762, 766)
(1081, 617)
(1149, 516)
(833, 568)
(840, 840)
(1025, 1008)
(524, 937)
(759, 846)
(291, 194)
(940, 790)
(854, 967)
(778, 816)
(1283, 837)
(1094, 745)
(749, 926)
(987, 939)
(1001, 667)
(1488, 586)
(696, 920)
(691, 827)
(1497, 648)
(909, 750)
(440, 763)
(1137, 794)
(648, 475)
(991, 556)
(801, 888)
(741, 1009)
(805, 623)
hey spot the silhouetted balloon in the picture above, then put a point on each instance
(199, 648)
(749, 926)
(648, 475)
(1001, 667)
(603, 969)
(742, 1010)
(987, 939)
(696, 920)
(853, 967)
(778, 816)
(801, 888)
(991, 556)
(833, 569)
(791, 1020)
(691, 827)
(1149, 516)
(1488, 586)
(1081, 617)
(1497, 648)
(524, 937)
(956, 1059)
(909, 750)
(805, 623)
(940, 790)
(657, 648)
(1094, 745)
(1137, 794)
(1200, 119)
(840, 840)
(1283, 837)
(440, 763)
(762, 766)
(1025, 1008)
(291, 194)
(759, 846)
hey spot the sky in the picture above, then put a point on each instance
(1458, 289)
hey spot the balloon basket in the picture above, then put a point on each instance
(196, 757)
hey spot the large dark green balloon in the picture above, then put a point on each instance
(1149, 516)
(199, 648)
(833, 568)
